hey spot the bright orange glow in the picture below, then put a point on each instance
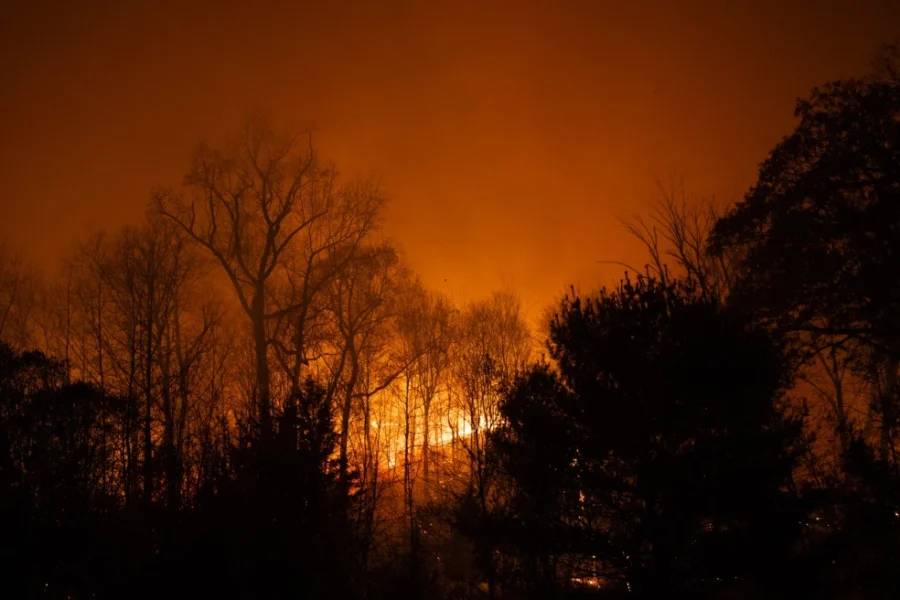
(448, 424)
(510, 135)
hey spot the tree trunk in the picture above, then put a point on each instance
(264, 406)
(842, 426)
(408, 437)
(887, 403)
(426, 409)
(131, 413)
(148, 424)
(172, 472)
(346, 411)
(300, 358)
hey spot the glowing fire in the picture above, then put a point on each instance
(391, 434)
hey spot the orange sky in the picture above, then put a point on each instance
(510, 135)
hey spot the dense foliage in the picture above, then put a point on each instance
(660, 452)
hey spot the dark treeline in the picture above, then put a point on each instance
(250, 396)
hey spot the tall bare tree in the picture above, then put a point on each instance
(493, 345)
(426, 331)
(150, 266)
(18, 293)
(269, 213)
(360, 302)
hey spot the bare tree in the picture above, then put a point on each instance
(493, 345)
(427, 330)
(56, 312)
(677, 233)
(149, 269)
(18, 293)
(424, 333)
(360, 303)
(269, 213)
(677, 238)
(335, 249)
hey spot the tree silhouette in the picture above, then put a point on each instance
(857, 553)
(657, 450)
(271, 215)
(820, 224)
(818, 232)
(52, 463)
(352, 434)
(18, 293)
(492, 347)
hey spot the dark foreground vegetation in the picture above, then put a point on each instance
(249, 396)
